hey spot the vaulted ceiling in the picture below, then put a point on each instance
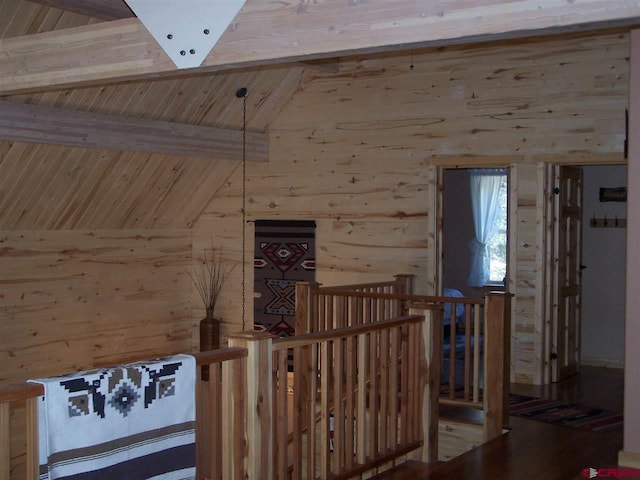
(48, 186)
(71, 58)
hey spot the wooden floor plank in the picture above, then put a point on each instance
(534, 450)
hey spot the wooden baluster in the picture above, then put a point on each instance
(430, 369)
(467, 350)
(373, 394)
(394, 379)
(281, 426)
(338, 405)
(5, 447)
(32, 438)
(215, 420)
(350, 432)
(478, 345)
(385, 390)
(361, 412)
(299, 418)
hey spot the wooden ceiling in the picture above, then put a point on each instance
(46, 186)
(93, 57)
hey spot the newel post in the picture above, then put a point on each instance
(430, 368)
(258, 397)
(497, 362)
(302, 357)
(404, 283)
(303, 307)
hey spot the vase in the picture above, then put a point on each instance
(209, 339)
(209, 332)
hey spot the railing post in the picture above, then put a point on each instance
(430, 366)
(303, 307)
(302, 357)
(258, 400)
(405, 283)
(497, 359)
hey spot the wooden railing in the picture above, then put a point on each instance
(477, 372)
(364, 403)
(221, 393)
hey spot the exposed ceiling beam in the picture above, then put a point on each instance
(266, 32)
(38, 124)
(103, 9)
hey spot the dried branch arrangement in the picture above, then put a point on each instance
(209, 276)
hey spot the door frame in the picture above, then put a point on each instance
(562, 270)
(439, 219)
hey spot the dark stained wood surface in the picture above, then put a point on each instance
(535, 450)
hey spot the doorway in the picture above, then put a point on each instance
(604, 256)
(587, 290)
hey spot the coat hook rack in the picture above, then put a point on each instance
(604, 222)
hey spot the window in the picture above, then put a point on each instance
(489, 206)
(497, 245)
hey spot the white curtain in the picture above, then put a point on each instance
(485, 189)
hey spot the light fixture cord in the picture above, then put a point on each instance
(244, 203)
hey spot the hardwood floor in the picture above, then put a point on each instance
(535, 450)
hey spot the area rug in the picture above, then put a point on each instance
(284, 255)
(557, 412)
(565, 413)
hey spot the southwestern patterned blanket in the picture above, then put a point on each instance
(129, 422)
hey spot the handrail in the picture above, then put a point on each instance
(220, 355)
(357, 286)
(310, 338)
(22, 391)
(399, 296)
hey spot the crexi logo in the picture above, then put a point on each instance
(611, 473)
(590, 473)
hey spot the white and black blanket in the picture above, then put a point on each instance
(130, 422)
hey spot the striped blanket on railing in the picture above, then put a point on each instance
(129, 422)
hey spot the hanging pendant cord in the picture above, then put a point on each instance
(242, 93)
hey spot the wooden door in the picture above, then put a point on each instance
(565, 347)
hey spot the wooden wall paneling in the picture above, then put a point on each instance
(96, 194)
(170, 186)
(45, 177)
(18, 21)
(76, 299)
(268, 98)
(528, 262)
(221, 226)
(16, 164)
(205, 182)
(76, 188)
(25, 18)
(84, 188)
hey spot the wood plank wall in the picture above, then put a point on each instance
(357, 152)
(73, 300)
